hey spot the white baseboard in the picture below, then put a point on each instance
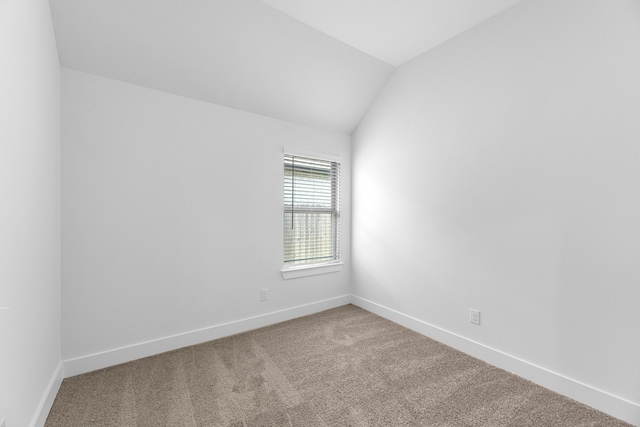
(49, 396)
(601, 400)
(606, 402)
(92, 362)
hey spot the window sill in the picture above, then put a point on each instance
(311, 270)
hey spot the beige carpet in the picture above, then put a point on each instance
(342, 367)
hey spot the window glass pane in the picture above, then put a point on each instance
(309, 237)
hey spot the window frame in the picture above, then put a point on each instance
(303, 270)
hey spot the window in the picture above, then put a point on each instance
(311, 211)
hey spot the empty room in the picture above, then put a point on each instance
(319, 213)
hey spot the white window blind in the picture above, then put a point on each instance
(311, 210)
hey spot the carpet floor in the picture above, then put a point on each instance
(341, 367)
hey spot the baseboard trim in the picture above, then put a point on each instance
(599, 399)
(93, 362)
(48, 397)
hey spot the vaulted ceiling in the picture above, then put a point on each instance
(315, 62)
(393, 31)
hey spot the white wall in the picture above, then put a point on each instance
(172, 220)
(29, 211)
(501, 171)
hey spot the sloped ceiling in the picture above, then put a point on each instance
(393, 31)
(242, 54)
(249, 55)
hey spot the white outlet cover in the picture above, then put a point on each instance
(474, 316)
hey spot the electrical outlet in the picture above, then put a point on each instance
(474, 316)
(263, 296)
